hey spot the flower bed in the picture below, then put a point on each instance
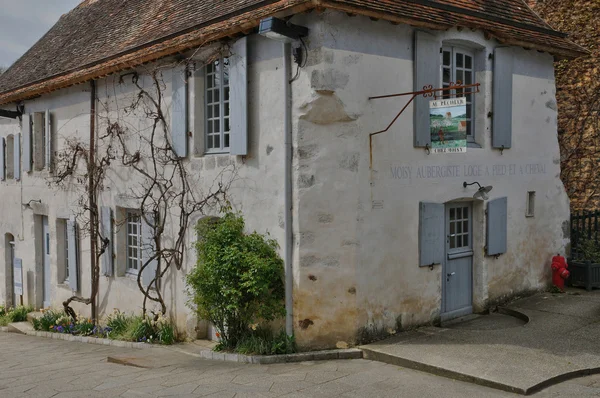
(119, 326)
(16, 314)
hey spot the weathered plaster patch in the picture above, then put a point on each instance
(197, 166)
(566, 229)
(352, 290)
(312, 278)
(305, 323)
(223, 161)
(307, 238)
(306, 181)
(307, 261)
(551, 104)
(349, 161)
(269, 149)
(326, 108)
(325, 218)
(352, 59)
(308, 151)
(329, 80)
(210, 162)
(354, 243)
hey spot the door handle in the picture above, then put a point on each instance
(451, 274)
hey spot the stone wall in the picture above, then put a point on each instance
(578, 98)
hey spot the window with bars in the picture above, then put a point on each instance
(217, 106)
(134, 242)
(458, 66)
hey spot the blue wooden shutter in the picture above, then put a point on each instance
(148, 249)
(497, 230)
(72, 248)
(431, 234)
(107, 257)
(17, 157)
(26, 133)
(2, 157)
(502, 98)
(238, 83)
(48, 143)
(427, 66)
(179, 129)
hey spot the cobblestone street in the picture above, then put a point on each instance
(39, 367)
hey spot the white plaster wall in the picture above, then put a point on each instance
(257, 188)
(357, 266)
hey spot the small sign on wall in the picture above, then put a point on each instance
(18, 276)
(448, 125)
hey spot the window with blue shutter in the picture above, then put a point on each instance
(26, 134)
(17, 157)
(502, 97)
(497, 226)
(179, 112)
(107, 233)
(48, 140)
(431, 234)
(427, 65)
(148, 250)
(72, 258)
(2, 157)
(238, 75)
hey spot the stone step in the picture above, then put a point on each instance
(33, 315)
(20, 327)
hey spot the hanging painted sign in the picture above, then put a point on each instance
(18, 276)
(448, 125)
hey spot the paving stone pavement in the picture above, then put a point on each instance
(40, 367)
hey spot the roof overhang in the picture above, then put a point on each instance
(247, 22)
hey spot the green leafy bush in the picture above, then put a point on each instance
(238, 280)
(589, 250)
(262, 341)
(17, 314)
(157, 329)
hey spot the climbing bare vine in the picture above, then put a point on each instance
(134, 157)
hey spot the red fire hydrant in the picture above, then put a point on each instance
(559, 271)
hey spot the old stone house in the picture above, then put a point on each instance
(378, 232)
(578, 99)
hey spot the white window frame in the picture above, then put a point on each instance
(132, 260)
(530, 207)
(453, 50)
(223, 120)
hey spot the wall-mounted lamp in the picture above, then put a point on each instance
(280, 30)
(482, 192)
(28, 204)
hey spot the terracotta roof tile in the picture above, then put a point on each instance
(103, 36)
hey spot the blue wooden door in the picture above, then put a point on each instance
(457, 276)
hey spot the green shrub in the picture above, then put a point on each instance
(2, 310)
(19, 313)
(4, 320)
(238, 280)
(48, 318)
(140, 329)
(589, 250)
(262, 341)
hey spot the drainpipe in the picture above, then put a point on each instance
(288, 204)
